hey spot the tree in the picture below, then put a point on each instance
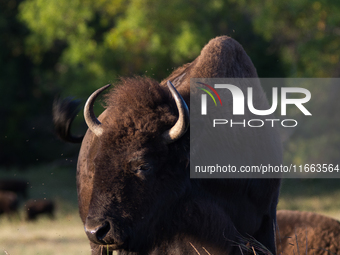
(306, 33)
(106, 39)
(74, 47)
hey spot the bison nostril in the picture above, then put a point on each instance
(95, 232)
(102, 231)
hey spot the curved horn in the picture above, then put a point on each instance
(91, 120)
(182, 123)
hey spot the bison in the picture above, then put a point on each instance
(35, 207)
(307, 233)
(134, 189)
(9, 203)
(19, 186)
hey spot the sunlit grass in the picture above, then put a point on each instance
(314, 195)
(64, 235)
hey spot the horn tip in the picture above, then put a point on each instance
(169, 83)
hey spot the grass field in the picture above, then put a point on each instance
(315, 195)
(65, 234)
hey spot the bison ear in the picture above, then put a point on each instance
(180, 76)
(178, 79)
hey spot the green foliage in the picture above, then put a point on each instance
(316, 140)
(66, 23)
(307, 33)
(104, 40)
(74, 47)
(17, 88)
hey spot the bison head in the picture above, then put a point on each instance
(137, 169)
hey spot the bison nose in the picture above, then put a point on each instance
(96, 232)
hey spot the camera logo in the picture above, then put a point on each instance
(204, 97)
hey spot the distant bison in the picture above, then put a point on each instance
(134, 189)
(8, 203)
(19, 186)
(307, 233)
(36, 207)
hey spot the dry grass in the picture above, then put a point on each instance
(64, 235)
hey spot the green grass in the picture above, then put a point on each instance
(65, 234)
(314, 195)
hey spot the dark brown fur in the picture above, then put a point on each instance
(299, 232)
(8, 203)
(138, 107)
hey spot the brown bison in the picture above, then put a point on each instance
(19, 186)
(307, 233)
(9, 203)
(34, 208)
(134, 189)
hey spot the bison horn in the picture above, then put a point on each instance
(182, 123)
(92, 122)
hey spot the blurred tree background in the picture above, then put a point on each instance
(74, 47)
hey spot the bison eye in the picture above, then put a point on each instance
(143, 168)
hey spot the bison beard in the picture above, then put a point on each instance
(134, 188)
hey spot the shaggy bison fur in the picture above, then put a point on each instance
(307, 233)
